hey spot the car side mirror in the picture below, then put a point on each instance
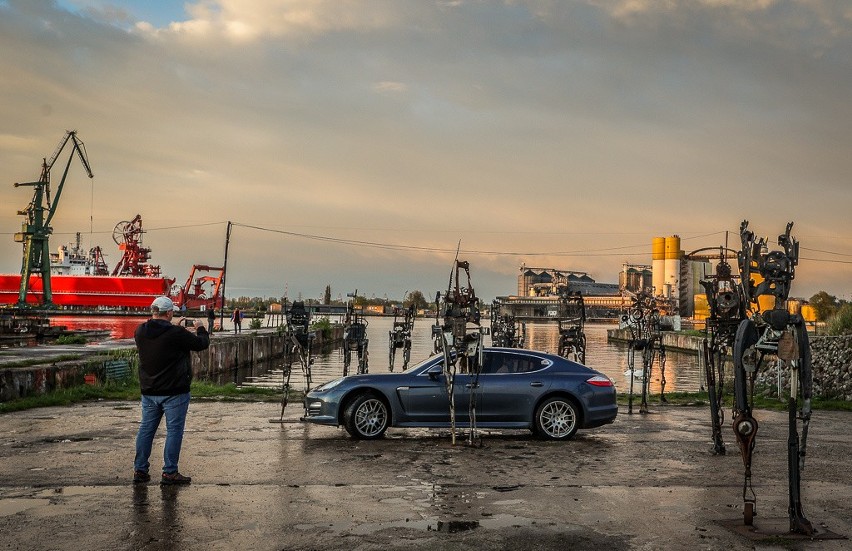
(434, 372)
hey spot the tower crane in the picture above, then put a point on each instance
(36, 230)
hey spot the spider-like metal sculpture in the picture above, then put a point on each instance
(772, 332)
(400, 336)
(460, 339)
(727, 310)
(298, 348)
(572, 320)
(643, 321)
(506, 331)
(355, 338)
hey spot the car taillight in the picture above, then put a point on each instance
(599, 380)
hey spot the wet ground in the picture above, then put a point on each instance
(645, 482)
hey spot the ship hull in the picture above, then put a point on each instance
(88, 291)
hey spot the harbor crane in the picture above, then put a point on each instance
(36, 230)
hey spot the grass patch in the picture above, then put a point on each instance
(129, 390)
(43, 361)
(74, 395)
(71, 339)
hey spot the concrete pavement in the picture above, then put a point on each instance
(645, 482)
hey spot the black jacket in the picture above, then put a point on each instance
(164, 365)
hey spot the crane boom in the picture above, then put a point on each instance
(36, 229)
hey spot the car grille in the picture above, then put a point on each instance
(314, 408)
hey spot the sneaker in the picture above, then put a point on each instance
(140, 477)
(174, 478)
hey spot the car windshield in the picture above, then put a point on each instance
(421, 364)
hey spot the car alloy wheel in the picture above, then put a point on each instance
(366, 417)
(556, 419)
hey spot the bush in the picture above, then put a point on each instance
(255, 323)
(324, 326)
(71, 339)
(840, 323)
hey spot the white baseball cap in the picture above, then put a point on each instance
(163, 304)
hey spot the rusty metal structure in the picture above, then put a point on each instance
(727, 309)
(767, 275)
(572, 320)
(506, 331)
(459, 338)
(355, 339)
(204, 290)
(643, 321)
(36, 229)
(298, 348)
(399, 337)
(135, 257)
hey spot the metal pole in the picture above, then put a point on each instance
(224, 275)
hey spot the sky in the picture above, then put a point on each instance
(359, 144)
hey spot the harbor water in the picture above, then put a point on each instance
(682, 371)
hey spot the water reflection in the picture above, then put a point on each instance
(682, 370)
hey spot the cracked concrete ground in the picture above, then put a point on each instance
(645, 482)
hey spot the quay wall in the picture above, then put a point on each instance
(225, 354)
(831, 360)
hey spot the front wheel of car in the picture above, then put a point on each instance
(366, 417)
(557, 418)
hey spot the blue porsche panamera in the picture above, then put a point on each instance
(517, 389)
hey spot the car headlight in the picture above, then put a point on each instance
(329, 385)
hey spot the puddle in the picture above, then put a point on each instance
(510, 502)
(16, 505)
(505, 521)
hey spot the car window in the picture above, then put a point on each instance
(501, 363)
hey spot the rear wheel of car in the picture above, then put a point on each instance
(366, 417)
(557, 418)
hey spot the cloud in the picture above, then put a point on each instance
(520, 126)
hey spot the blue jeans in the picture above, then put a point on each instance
(153, 408)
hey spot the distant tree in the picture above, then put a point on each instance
(824, 305)
(326, 298)
(417, 298)
(840, 323)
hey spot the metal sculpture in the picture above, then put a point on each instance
(459, 338)
(506, 331)
(298, 345)
(134, 257)
(775, 332)
(36, 230)
(727, 310)
(399, 337)
(572, 320)
(643, 321)
(355, 338)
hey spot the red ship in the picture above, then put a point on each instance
(73, 277)
(81, 278)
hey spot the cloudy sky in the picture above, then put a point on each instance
(357, 143)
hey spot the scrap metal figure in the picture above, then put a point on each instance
(572, 319)
(400, 335)
(784, 335)
(459, 339)
(355, 338)
(643, 321)
(298, 348)
(506, 332)
(727, 310)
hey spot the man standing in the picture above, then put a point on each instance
(237, 318)
(165, 373)
(211, 319)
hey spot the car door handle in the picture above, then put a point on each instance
(536, 383)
